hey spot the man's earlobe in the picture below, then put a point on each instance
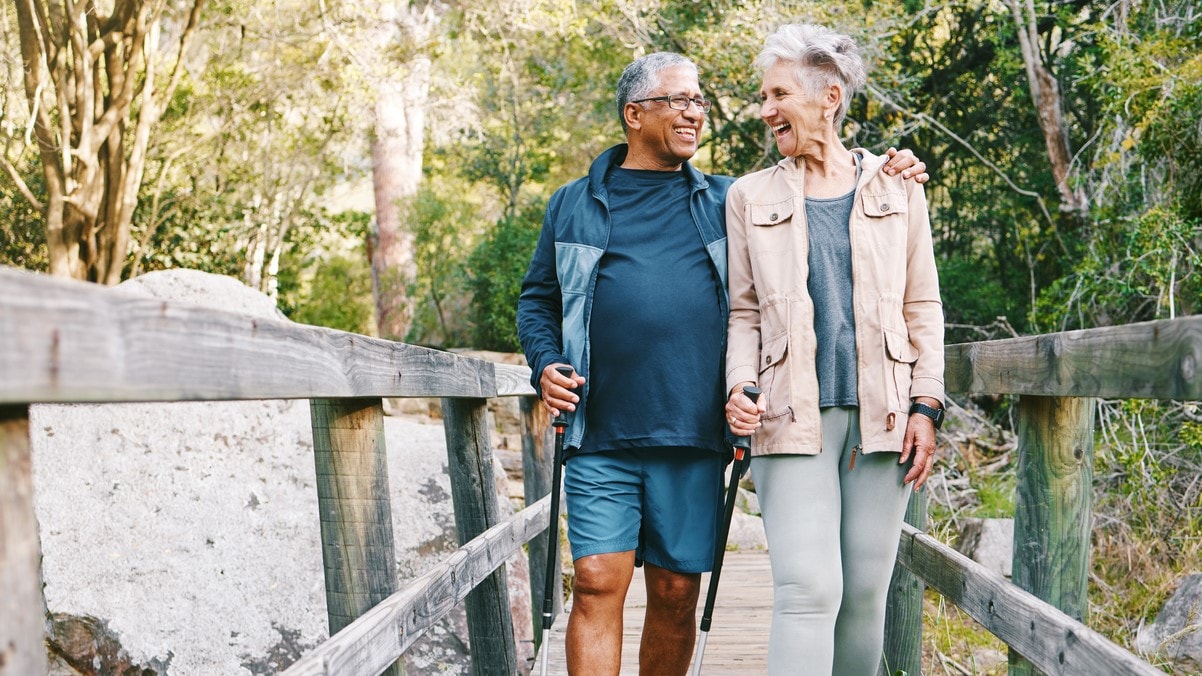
(632, 115)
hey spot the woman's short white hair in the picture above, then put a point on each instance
(820, 58)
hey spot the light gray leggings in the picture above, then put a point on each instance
(832, 539)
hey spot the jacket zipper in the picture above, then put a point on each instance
(852, 465)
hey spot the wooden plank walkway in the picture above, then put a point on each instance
(738, 638)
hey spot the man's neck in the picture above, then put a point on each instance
(646, 162)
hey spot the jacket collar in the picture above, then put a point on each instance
(870, 165)
(616, 155)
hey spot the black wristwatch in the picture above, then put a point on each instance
(935, 414)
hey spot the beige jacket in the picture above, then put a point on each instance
(895, 293)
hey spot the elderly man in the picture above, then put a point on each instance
(628, 286)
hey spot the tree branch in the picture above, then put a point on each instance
(21, 185)
(928, 120)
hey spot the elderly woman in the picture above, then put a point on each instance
(835, 314)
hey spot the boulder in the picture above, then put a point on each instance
(184, 538)
(989, 542)
(1176, 635)
(746, 532)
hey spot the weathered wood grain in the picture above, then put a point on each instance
(68, 341)
(368, 645)
(353, 501)
(512, 380)
(474, 494)
(903, 614)
(1054, 642)
(1149, 360)
(22, 647)
(1053, 506)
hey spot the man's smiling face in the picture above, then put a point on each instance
(665, 138)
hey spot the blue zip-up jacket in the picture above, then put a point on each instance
(555, 306)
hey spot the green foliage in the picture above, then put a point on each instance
(326, 279)
(22, 233)
(338, 296)
(497, 266)
(1150, 83)
(973, 297)
(1148, 268)
(996, 494)
(444, 227)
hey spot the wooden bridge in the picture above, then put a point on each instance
(72, 342)
(738, 637)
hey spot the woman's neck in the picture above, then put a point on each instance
(830, 172)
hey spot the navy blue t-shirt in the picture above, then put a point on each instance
(656, 328)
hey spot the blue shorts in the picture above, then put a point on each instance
(663, 503)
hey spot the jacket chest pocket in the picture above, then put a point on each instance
(886, 215)
(772, 231)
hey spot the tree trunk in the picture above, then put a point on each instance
(1045, 93)
(396, 174)
(83, 72)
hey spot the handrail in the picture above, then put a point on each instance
(1159, 359)
(1047, 637)
(74, 342)
(381, 635)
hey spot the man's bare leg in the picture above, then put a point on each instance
(671, 622)
(594, 640)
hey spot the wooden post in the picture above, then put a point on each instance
(1053, 504)
(903, 614)
(474, 493)
(22, 608)
(355, 508)
(538, 439)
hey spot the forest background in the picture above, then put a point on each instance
(382, 167)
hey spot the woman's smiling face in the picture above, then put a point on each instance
(797, 121)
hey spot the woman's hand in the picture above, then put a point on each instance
(907, 163)
(919, 443)
(743, 414)
(557, 390)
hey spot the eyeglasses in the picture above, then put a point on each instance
(681, 102)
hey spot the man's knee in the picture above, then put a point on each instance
(673, 592)
(602, 576)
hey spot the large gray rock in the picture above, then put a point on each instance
(1176, 635)
(989, 542)
(202, 288)
(184, 538)
(746, 532)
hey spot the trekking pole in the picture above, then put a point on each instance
(552, 580)
(742, 449)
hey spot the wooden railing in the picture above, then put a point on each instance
(1058, 378)
(70, 342)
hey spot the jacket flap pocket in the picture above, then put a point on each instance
(773, 350)
(774, 331)
(771, 214)
(898, 346)
(881, 204)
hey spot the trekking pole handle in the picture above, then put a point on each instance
(743, 444)
(561, 420)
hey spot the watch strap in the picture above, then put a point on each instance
(935, 414)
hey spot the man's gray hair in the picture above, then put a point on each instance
(641, 77)
(820, 58)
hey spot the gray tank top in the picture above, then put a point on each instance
(830, 288)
